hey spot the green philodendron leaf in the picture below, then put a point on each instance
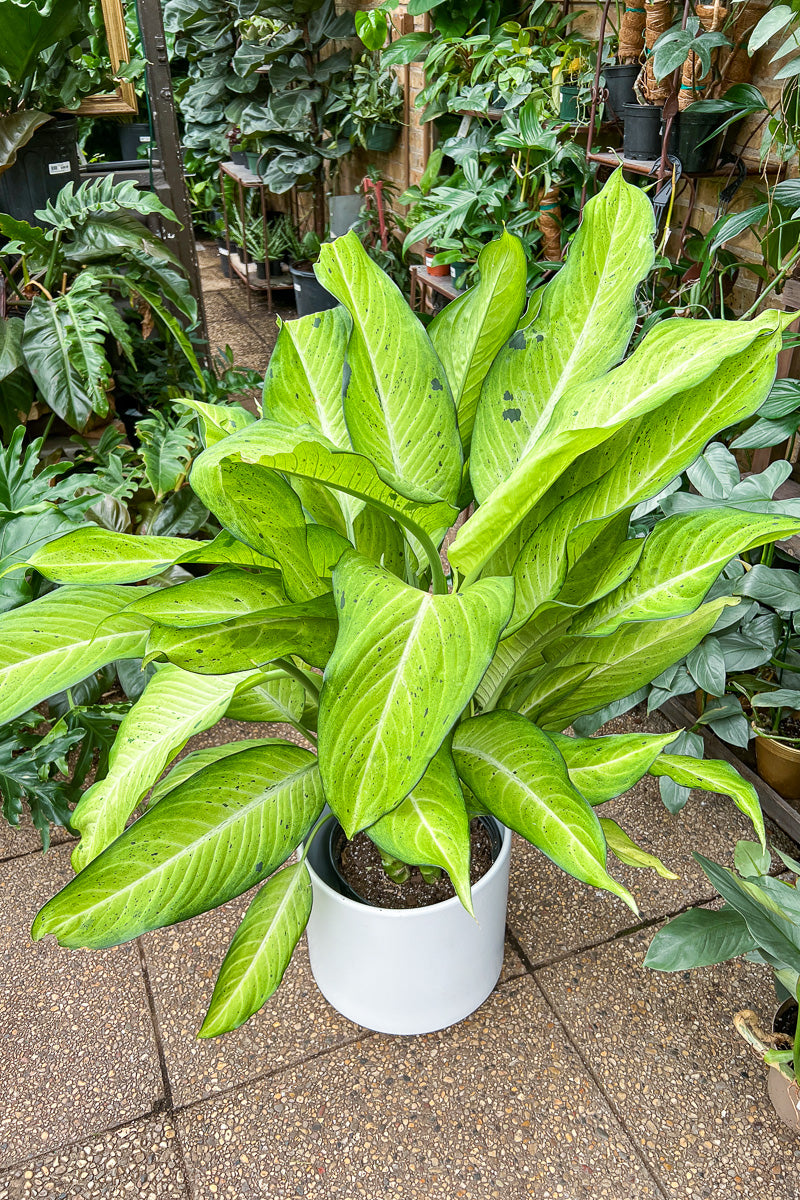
(626, 850)
(16, 130)
(713, 776)
(243, 643)
(303, 382)
(57, 641)
(225, 829)
(431, 826)
(173, 707)
(604, 767)
(94, 555)
(303, 453)
(468, 333)
(581, 331)
(771, 929)
(681, 559)
(752, 859)
(197, 760)
(404, 666)
(518, 774)
(699, 938)
(677, 361)
(618, 664)
(218, 421)
(49, 356)
(212, 599)
(278, 699)
(260, 951)
(397, 400)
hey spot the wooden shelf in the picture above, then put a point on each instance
(242, 175)
(247, 272)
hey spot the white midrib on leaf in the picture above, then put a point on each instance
(211, 834)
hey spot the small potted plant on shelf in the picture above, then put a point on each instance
(573, 75)
(443, 694)
(761, 920)
(376, 106)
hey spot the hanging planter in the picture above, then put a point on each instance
(412, 970)
(381, 137)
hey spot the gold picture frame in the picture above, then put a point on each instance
(121, 102)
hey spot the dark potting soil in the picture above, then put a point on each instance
(360, 864)
(789, 727)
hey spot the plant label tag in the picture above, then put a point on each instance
(62, 168)
(145, 137)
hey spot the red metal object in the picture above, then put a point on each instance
(373, 194)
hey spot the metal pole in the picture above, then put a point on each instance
(595, 93)
(172, 185)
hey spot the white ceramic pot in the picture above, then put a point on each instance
(405, 971)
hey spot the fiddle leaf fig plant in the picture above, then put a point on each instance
(442, 693)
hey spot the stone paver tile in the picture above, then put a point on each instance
(552, 914)
(78, 1051)
(137, 1162)
(688, 1088)
(25, 839)
(498, 1106)
(182, 965)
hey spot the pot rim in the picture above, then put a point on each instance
(410, 913)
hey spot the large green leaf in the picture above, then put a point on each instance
(303, 453)
(197, 760)
(468, 333)
(699, 938)
(604, 767)
(172, 708)
(220, 596)
(260, 951)
(694, 368)
(32, 27)
(219, 833)
(431, 826)
(397, 400)
(517, 773)
(260, 508)
(713, 776)
(50, 356)
(771, 928)
(404, 666)
(57, 641)
(217, 421)
(94, 555)
(682, 557)
(619, 663)
(249, 641)
(272, 696)
(582, 329)
(303, 382)
(16, 130)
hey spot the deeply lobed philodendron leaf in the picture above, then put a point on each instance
(404, 666)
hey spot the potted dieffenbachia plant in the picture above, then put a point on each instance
(442, 696)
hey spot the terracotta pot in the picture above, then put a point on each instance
(443, 269)
(785, 1093)
(779, 766)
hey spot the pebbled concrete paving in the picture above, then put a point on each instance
(582, 1076)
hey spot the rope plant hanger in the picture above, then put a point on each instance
(693, 85)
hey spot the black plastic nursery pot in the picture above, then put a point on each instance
(43, 166)
(224, 258)
(619, 82)
(309, 294)
(239, 158)
(642, 136)
(696, 140)
(131, 137)
(381, 137)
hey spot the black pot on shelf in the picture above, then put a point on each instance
(696, 139)
(131, 137)
(642, 137)
(309, 294)
(261, 270)
(619, 81)
(239, 158)
(43, 166)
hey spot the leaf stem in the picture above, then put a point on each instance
(784, 271)
(308, 682)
